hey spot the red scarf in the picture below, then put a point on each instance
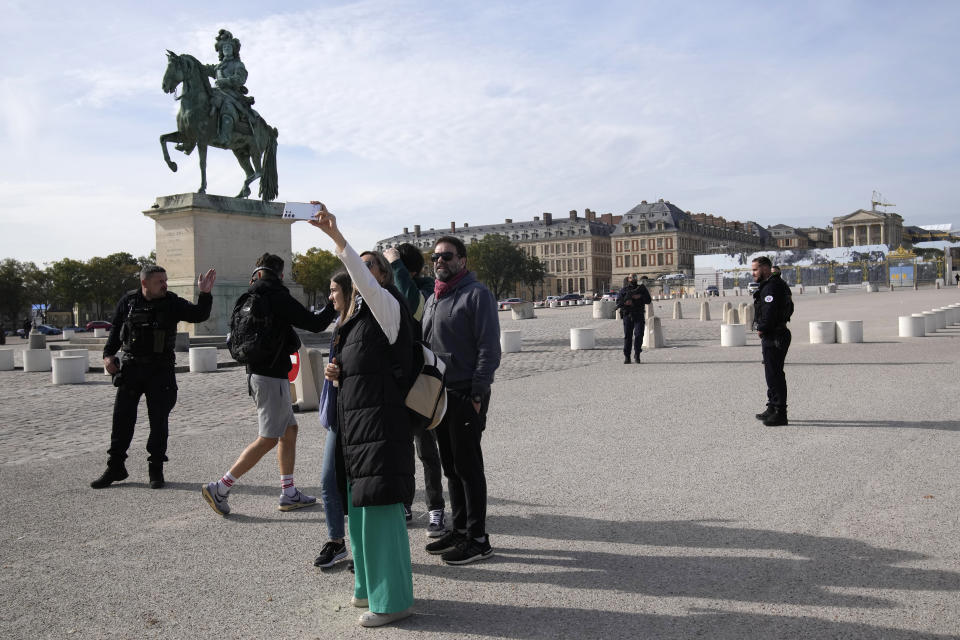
(441, 288)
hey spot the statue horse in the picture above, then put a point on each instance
(253, 141)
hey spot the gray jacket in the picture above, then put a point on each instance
(463, 328)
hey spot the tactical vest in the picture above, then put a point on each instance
(150, 328)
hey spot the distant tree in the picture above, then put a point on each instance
(312, 271)
(533, 272)
(70, 284)
(147, 260)
(39, 285)
(497, 262)
(13, 293)
(109, 278)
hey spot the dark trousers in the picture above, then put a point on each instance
(159, 384)
(458, 438)
(429, 455)
(633, 334)
(774, 349)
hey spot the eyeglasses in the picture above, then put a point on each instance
(446, 256)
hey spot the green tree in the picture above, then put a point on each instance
(39, 285)
(312, 271)
(533, 272)
(497, 262)
(13, 293)
(109, 278)
(69, 282)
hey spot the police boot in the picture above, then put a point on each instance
(108, 477)
(156, 476)
(766, 413)
(777, 418)
(626, 359)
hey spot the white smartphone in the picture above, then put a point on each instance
(300, 210)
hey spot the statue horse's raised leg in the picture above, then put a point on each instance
(164, 139)
(202, 151)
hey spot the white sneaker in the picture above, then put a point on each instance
(438, 524)
(371, 619)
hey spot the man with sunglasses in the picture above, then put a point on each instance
(461, 325)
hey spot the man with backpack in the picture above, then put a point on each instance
(262, 338)
(773, 306)
(406, 261)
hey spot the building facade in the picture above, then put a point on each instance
(788, 237)
(864, 227)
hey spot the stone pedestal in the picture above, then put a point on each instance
(604, 309)
(583, 338)
(849, 331)
(823, 332)
(522, 311)
(203, 359)
(733, 335)
(912, 326)
(36, 360)
(37, 340)
(70, 369)
(197, 232)
(80, 353)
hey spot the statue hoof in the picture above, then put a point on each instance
(173, 166)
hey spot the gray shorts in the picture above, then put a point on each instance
(274, 406)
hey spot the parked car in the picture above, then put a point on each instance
(99, 324)
(752, 287)
(570, 296)
(550, 299)
(712, 290)
(610, 295)
(74, 328)
(505, 304)
(48, 330)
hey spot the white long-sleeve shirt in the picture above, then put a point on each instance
(385, 308)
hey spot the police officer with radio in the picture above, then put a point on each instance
(145, 328)
(773, 306)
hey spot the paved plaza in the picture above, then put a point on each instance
(626, 501)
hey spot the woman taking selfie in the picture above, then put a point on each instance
(372, 342)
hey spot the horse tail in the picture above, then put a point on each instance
(269, 186)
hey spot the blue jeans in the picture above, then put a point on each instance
(332, 506)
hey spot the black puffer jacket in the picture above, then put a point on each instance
(375, 435)
(773, 306)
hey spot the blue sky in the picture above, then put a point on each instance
(400, 113)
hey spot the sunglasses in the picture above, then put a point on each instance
(446, 256)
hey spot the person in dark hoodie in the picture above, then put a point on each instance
(374, 364)
(270, 387)
(631, 300)
(461, 325)
(773, 306)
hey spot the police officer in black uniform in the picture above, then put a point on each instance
(631, 300)
(773, 306)
(145, 324)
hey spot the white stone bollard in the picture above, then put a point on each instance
(736, 291)
(37, 340)
(304, 391)
(604, 309)
(733, 335)
(554, 304)
(677, 310)
(6, 359)
(725, 308)
(731, 317)
(68, 334)
(510, 340)
(522, 311)
(653, 334)
(203, 359)
(583, 338)
(64, 353)
(100, 333)
(747, 316)
(823, 332)
(849, 331)
(941, 316)
(70, 369)
(704, 311)
(800, 289)
(872, 288)
(953, 314)
(36, 360)
(930, 321)
(912, 326)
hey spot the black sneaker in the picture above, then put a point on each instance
(469, 550)
(156, 476)
(626, 359)
(108, 477)
(766, 413)
(446, 543)
(777, 418)
(330, 554)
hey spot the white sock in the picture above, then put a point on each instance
(286, 483)
(225, 484)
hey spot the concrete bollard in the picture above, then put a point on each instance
(723, 293)
(823, 332)
(64, 353)
(68, 334)
(725, 308)
(6, 359)
(704, 311)
(939, 283)
(304, 391)
(650, 312)
(912, 326)
(832, 287)
(182, 343)
(583, 338)
(203, 359)
(554, 304)
(70, 369)
(849, 331)
(100, 333)
(37, 340)
(510, 340)
(930, 321)
(872, 288)
(522, 311)
(604, 309)
(736, 291)
(800, 289)
(653, 334)
(677, 310)
(733, 335)
(731, 317)
(747, 316)
(36, 360)
(941, 316)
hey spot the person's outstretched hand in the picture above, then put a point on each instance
(205, 282)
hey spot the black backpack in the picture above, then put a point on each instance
(256, 338)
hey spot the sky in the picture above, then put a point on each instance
(396, 113)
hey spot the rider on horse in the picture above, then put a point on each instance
(230, 95)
